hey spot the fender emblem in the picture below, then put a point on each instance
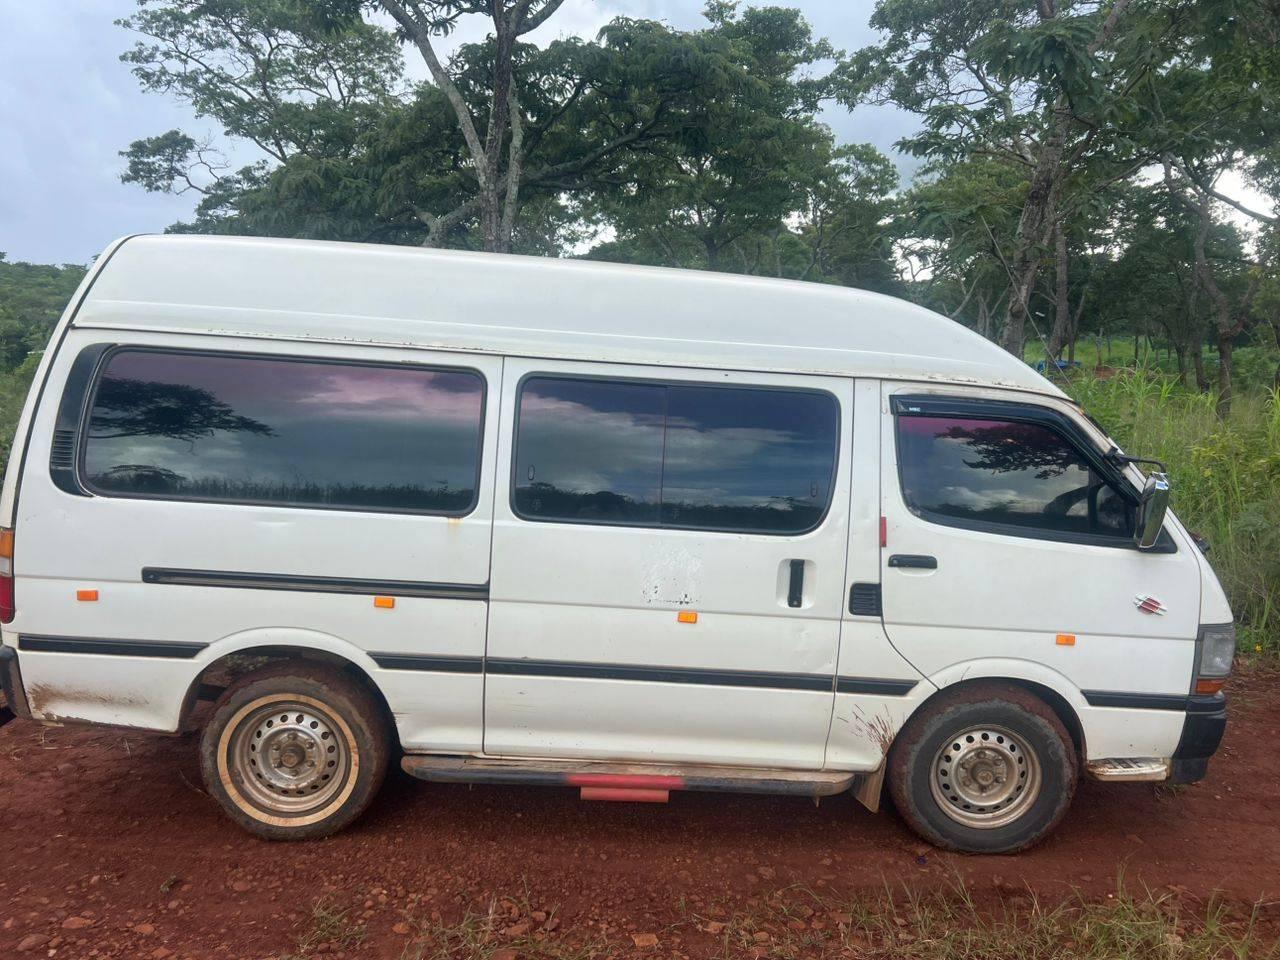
(1149, 605)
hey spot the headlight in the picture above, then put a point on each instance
(1217, 649)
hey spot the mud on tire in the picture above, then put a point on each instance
(295, 750)
(988, 768)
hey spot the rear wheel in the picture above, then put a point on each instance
(986, 769)
(294, 751)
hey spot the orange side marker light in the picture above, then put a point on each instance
(384, 603)
(1066, 640)
(1209, 687)
(87, 596)
(687, 616)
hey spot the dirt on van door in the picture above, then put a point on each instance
(109, 847)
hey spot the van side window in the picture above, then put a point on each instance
(270, 430)
(977, 471)
(674, 455)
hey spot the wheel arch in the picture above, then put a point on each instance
(224, 662)
(1055, 690)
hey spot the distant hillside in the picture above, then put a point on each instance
(32, 297)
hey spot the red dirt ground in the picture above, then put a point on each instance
(109, 848)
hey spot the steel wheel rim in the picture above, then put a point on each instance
(985, 777)
(289, 758)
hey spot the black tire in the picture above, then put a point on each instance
(323, 758)
(999, 732)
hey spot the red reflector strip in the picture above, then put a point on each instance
(624, 780)
(625, 794)
(884, 532)
(6, 599)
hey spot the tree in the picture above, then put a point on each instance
(746, 156)
(273, 73)
(1214, 111)
(358, 158)
(849, 224)
(958, 224)
(1047, 86)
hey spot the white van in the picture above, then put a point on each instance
(624, 529)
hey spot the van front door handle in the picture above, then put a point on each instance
(913, 561)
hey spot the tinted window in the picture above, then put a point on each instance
(588, 450)
(1006, 472)
(747, 459)
(266, 430)
(672, 455)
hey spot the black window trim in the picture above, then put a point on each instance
(91, 396)
(938, 405)
(668, 382)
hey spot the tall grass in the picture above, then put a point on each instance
(1226, 479)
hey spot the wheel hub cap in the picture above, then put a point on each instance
(289, 757)
(985, 777)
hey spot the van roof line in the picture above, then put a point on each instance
(534, 306)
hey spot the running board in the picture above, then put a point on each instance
(628, 781)
(1145, 769)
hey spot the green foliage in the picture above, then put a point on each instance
(32, 297)
(1226, 479)
(14, 385)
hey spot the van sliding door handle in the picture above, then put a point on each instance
(795, 588)
(913, 560)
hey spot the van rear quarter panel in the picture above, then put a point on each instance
(67, 543)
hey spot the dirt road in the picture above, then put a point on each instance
(111, 849)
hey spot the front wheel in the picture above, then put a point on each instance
(986, 769)
(294, 751)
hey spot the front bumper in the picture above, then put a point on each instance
(15, 697)
(1201, 734)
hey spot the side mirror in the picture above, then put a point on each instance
(1152, 506)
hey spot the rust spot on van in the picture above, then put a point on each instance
(879, 729)
(43, 695)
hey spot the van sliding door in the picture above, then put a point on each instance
(668, 565)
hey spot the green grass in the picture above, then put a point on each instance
(896, 924)
(950, 925)
(1226, 479)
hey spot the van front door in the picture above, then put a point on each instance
(668, 565)
(1009, 547)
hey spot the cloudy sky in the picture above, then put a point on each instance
(68, 107)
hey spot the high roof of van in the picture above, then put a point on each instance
(533, 306)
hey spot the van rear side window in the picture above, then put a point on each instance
(693, 457)
(270, 430)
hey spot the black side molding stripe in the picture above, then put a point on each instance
(820, 683)
(101, 645)
(885, 688)
(282, 581)
(1152, 701)
(441, 664)
(614, 671)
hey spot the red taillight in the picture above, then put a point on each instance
(6, 575)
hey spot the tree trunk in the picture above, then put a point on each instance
(1034, 226)
(1039, 212)
(1180, 351)
(984, 317)
(1225, 343)
(1062, 314)
(1197, 361)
